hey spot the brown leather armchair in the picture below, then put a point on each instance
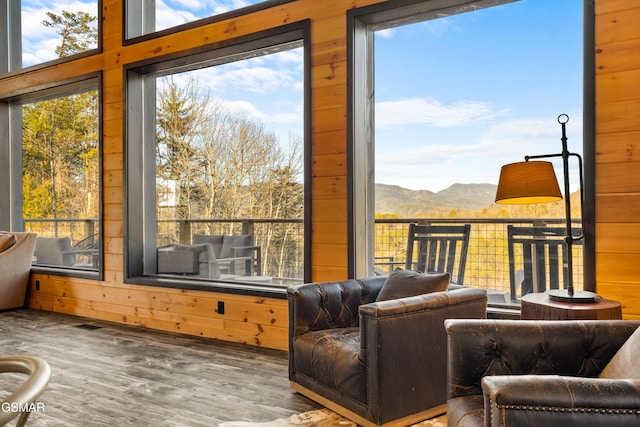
(377, 363)
(538, 373)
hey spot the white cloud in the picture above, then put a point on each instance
(431, 112)
(250, 110)
(478, 157)
(39, 42)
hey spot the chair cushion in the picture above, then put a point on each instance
(7, 240)
(331, 357)
(215, 240)
(625, 364)
(183, 259)
(407, 283)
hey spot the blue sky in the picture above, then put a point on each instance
(456, 97)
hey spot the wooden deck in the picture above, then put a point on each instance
(106, 374)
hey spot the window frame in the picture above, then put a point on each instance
(139, 19)
(140, 182)
(11, 41)
(11, 216)
(361, 25)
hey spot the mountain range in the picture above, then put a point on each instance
(393, 199)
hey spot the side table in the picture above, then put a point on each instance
(538, 306)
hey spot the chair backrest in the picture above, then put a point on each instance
(536, 258)
(54, 251)
(439, 248)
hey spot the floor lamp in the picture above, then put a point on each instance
(535, 182)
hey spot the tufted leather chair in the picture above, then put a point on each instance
(538, 373)
(376, 363)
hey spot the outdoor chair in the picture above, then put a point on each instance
(233, 246)
(16, 255)
(58, 251)
(200, 260)
(543, 373)
(536, 258)
(438, 248)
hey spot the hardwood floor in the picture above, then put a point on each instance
(106, 374)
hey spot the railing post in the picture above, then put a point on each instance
(247, 227)
(89, 228)
(185, 231)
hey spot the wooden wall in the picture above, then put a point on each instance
(617, 71)
(261, 321)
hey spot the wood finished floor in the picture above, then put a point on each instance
(106, 374)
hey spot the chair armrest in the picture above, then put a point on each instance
(258, 256)
(551, 400)
(403, 343)
(231, 263)
(479, 348)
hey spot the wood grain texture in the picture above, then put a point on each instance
(107, 374)
(617, 136)
(247, 319)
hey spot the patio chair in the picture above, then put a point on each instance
(438, 248)
(58, 251)
(540, 267)
(199, 260)
(233, 246)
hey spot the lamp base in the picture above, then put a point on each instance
(562, 295)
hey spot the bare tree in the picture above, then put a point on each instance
(227, 165)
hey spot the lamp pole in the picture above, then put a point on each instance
(563, 119)
(559, 294)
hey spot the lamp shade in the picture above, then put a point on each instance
(528, 182)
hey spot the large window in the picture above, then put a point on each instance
(219, 167)
(53, 169)
(458, 93)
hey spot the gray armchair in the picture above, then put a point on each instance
(377, 363)
(58, 251)
(538, 373)
(199, 260)
(234, 246)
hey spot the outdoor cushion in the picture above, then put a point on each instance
(625, 364)
(7, 240)
(408, 283)
(215, 240)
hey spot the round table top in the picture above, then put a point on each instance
(543, 298)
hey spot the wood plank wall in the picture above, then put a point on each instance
(261, 321)
(617, 32)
